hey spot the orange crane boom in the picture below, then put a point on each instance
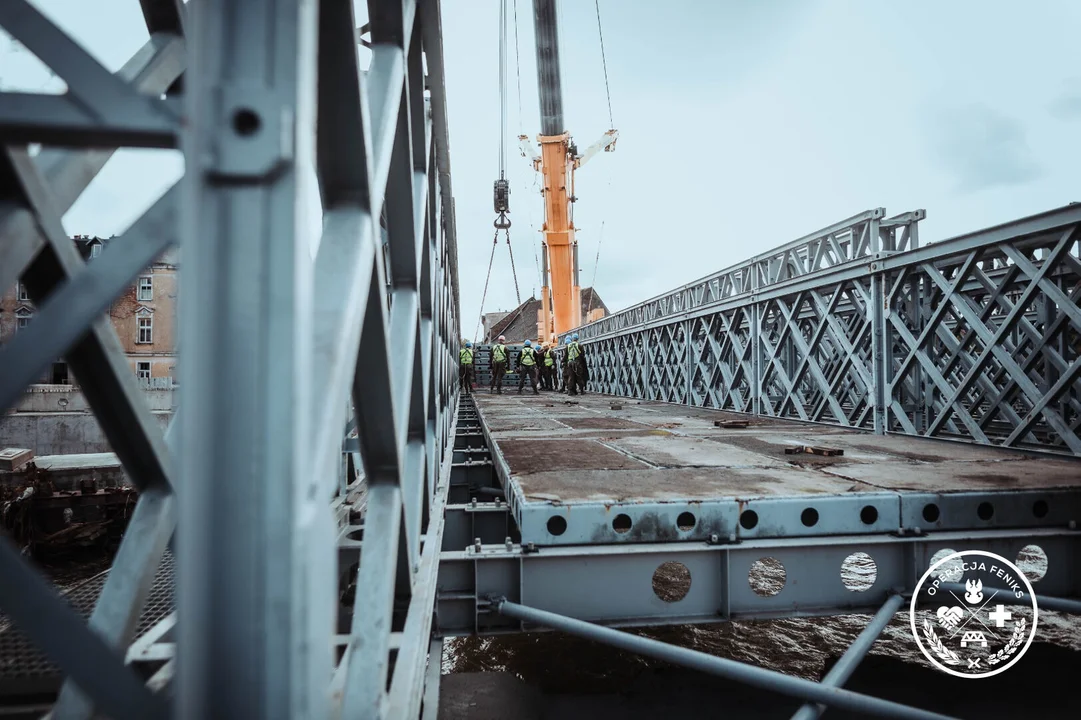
(561, 295)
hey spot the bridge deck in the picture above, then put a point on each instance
(586, 472)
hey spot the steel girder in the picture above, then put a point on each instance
(976, 338)
(275, 350)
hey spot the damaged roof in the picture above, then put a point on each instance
(521, 323)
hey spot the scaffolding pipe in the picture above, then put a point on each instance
(769, 680)
(857, 651)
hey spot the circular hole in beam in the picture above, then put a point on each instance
(985, 511)
(686, 521)
(748, 519)
(809, 517)
(869, 515)
(1039, 509)
(767, 577)
(1032, 561)
(951, 571)
(246, 122)
(621, 523)
(671, 581)
(557, 525)
(930, 512)
(859, 572)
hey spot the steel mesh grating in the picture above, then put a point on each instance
(20, 658)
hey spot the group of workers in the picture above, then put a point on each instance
(538, 363)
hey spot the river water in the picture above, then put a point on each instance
(798, 646)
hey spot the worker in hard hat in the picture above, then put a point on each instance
(527, 367)
(498, 365)
(575, 370)
(548, 366)
(465, 368)
(540, 352)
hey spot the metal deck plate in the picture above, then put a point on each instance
(25, 670)
(581, 472)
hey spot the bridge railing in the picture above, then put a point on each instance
(973, 338)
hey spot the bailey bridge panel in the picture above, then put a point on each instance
(976, 338)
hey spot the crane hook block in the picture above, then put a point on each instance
(502, 196)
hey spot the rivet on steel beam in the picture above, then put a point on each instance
(714, 539)
(474, 502)
(508, 543)
(1073, 524)
(476, 544)
(731, 537)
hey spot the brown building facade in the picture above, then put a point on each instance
(144, 317)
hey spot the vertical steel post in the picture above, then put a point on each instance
(879, 372)
(247, 644)
(689, 355)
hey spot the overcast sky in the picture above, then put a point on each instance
(742, 125)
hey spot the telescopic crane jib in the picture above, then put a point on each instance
(561, 297)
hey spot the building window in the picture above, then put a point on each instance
(23, 295)
(146, 330)
(95, 250)
(146, 288)
(22, 318)
(142, 370)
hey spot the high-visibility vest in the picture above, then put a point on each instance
(549, 361)
(499, 353)
(465, 356)
(573, 351)
(527, 357)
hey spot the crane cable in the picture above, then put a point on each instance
(502, 89)
(491, 261)
(612, 124)
(502, 222)
(518, 71)
(604, 64)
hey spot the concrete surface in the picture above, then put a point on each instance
(60, 433)
(581, 450)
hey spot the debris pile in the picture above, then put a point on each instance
(50, 524)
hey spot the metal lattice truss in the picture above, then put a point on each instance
(975, 338)
(857, 238)
(276, 349)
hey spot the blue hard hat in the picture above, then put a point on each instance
(527, 343)
(469, 344)
(574, 337)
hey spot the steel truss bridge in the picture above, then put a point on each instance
(336, 508)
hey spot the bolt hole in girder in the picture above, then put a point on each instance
(557, 525)
(985, 511)
(809, 517)
(930, 512)
(869, 515)
(671, 581)
(767, 577)
(246, 122)
(748, 519)
(859, 572)
(622, 523)
(951, 571)
(686, 521)
(1032, 561)
(1039, 509)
